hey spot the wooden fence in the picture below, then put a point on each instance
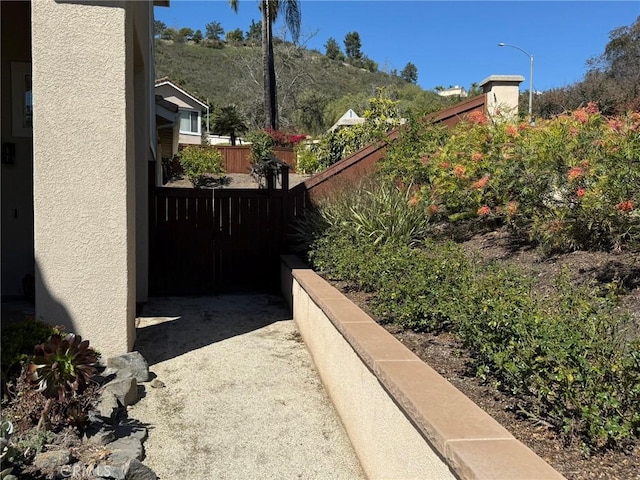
(213, 240)
(238, 159)
(362, 162)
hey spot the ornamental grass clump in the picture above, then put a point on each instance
(373, 213)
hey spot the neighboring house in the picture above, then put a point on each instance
(168, 128)
(190, 108)
(456, 90)
(76, 161)
(349, 118)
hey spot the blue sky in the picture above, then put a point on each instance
(450, 42)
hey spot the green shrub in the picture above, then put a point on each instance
(561, 354)
(569, 183)
(199, 161)
(261, 145)
(306, 160)
(172, 167)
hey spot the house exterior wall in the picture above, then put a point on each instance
(183, 102)
(17, 177)
(84, 176)
(144, 133)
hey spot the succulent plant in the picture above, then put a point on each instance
(62, 366)
(7, 453)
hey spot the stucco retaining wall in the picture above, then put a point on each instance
(404, 420)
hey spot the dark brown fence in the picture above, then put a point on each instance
(238, 159)
(362, 162)
(207, 241)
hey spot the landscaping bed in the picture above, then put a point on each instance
(447, 355)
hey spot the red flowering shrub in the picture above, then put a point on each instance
(626, 206)
(574, 181)
(477, 117)
(484, 211)
(284, 139)
(477, 156)
(480, 184)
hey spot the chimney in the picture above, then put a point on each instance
(503, 92)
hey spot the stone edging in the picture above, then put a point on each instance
(110, 428)
(469, 442)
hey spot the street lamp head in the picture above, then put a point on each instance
(501, 44)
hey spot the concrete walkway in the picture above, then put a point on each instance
(241, 397)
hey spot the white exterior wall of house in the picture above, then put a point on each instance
(85, 174)
(186, 104)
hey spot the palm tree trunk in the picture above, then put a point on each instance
(270, 100)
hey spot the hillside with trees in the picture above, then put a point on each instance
(314, 90)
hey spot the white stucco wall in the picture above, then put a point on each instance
(84, 171)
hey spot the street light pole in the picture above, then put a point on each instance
(501, 44)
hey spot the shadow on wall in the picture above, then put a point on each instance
(172, 326)
(49, 308)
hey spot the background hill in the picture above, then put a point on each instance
(313, 90)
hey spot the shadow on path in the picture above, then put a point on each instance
(172, 326)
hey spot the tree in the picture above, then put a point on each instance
(612, 79)
(228, 121)
(184, 34)
(197, 37)
(235, 36)
(409, 73)
(332, 50)
(158, 28)
(369, 64)
(254, 34)
(620, 67)
(311, 106)
(213, 30)
(270, 10)
(169, 34)
(352, 46)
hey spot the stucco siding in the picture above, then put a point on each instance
(84, 200)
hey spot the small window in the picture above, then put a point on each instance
(189, 122)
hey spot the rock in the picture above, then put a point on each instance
(109, 471)
(124, 388)
(107, 404)
(138, 471)
(52, 459)
(125, 449)
(133, 362)
(131, 429)
(103, 436)
(155, 383)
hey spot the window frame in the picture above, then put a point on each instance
(199, 122)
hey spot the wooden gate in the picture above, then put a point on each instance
(207, 241)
